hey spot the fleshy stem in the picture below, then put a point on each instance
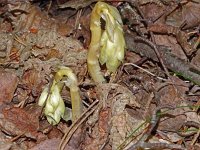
(107, 45)
(72, 84)
(92, 59)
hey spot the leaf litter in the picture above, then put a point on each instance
(141, 107)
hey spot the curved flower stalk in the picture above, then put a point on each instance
(106, 45)
(54, 104)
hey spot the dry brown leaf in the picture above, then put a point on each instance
(181, 36)
(113, 120)
(188, 14)
(196, 59)
(49, 144)
(30, 78)
(170, 42)
(17, 121)
(8, 85)
(152, 11)
(168, 95)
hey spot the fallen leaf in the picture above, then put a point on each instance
(49, 144)
(8, 85)
(17, 121)
(30, 78)
(188, 14)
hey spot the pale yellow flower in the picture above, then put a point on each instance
(107, 46)
(54, 107)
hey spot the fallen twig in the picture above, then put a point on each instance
(172, 62)
(142, 143)
(132, 64)
(76, 124)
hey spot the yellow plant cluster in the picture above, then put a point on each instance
(107, 47)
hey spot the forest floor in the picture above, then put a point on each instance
(151, 102)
